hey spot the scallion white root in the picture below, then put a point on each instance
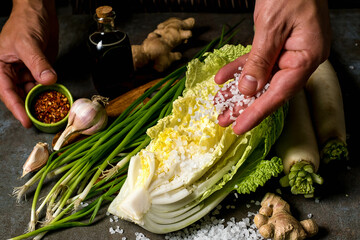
(33, 222)
(19, 192)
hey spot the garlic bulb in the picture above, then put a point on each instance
(37, 158)
(86, 117)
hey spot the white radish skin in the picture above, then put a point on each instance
(297, 141)
(327, 110)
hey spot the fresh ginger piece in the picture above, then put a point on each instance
(177, 23)
(157, 47)
(275, 221)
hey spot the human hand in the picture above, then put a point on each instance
(28, 42)
(292, 37)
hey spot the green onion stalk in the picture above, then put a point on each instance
(94, 169)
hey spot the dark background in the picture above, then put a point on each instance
(123, 6)
(338, 209)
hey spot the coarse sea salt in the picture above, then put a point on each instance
(210, 228)
(229, 97)
(140, 236)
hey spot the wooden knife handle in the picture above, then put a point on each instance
(119, 104)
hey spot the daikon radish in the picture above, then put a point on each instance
(297, 147)
(326, 106)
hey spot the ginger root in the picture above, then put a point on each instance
(157, 47)
(275, 221)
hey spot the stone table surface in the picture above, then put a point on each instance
(337, 208)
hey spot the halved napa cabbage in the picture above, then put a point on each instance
(192, 163)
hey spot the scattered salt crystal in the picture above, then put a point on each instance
(317, 200)
(111, 220)
(251, 214)
(257, 203)
(232, 117)
(248, 205)
(351, 67)
(140, 236)
(310, 215)
(111, 230)
(225, 101)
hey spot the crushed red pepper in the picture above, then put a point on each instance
(51, 107)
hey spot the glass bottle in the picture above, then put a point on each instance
(112, 63)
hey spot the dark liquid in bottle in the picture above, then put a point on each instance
(112, 69)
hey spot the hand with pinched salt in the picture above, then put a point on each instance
(229, 102)
(292, 38)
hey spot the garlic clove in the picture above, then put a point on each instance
(37, 158)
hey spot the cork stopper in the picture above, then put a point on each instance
(104, 11)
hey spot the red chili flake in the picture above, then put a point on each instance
(51, 107)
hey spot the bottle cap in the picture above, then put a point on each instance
(104, 11)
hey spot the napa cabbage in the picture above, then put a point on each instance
(191, 163)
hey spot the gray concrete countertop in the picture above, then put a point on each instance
(337, 211)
